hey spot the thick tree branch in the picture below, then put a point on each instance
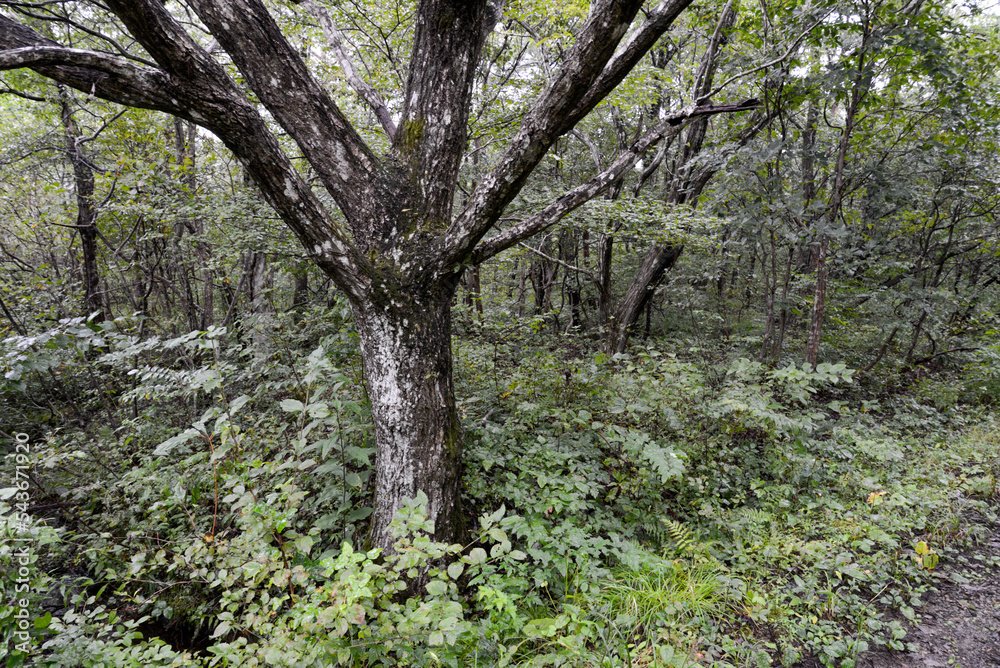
(555, 211)
(276, 73)
(54, 17)
(447, 46)
(33, 56)
(106, 76)
(633, 48)
(364, 90)
(586, 272)
(592, 68)
(208, 98)
(173, 49)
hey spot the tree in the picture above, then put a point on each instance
(401, 249)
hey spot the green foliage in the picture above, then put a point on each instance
(647, 507)
(202, 498)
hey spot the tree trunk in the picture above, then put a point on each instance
(605, 253)
(819, 305)
(658, 259)
(86, 212)
(184, 159)
(522, 285)
(261, 275)
(784, 316)
(543, 278)
(473, 295)
(203, 250)
(770, 289)
(300, 291)
(833, 209)
(406, 350)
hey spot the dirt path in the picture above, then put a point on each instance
(959, 626)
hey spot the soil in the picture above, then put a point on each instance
(959, 627)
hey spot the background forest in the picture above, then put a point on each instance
(737, 410)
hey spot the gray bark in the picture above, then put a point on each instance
(406, 349)
(86, 212)
(656, 262)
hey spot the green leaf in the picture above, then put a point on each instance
(221, 630)
(358, 514)
(292, 406)
(164, 449)
(304, 544)
(318, 410)
(541, 628)
(489, 520)
(437, 588)
(236, 404)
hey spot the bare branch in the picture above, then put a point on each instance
(33, 56)
(931, 358)
(586, 140)
(591, 70)
(193, 86)
(586, 272)
(57, 18)
(555, 211)
(26, 96)
(104, 126)
(651, 168)
(364, 90)
(709, 63)
(92, 72)
(277, 74)
(771, 63)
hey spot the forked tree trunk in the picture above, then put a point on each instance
(399, 226)
(406, 350)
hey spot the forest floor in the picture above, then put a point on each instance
(959, 627)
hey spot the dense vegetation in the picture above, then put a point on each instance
(738, 410)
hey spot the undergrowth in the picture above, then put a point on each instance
(648, 509)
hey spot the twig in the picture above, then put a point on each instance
(771, 63)
(364, 90)
(567, 265)
(961, 349)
